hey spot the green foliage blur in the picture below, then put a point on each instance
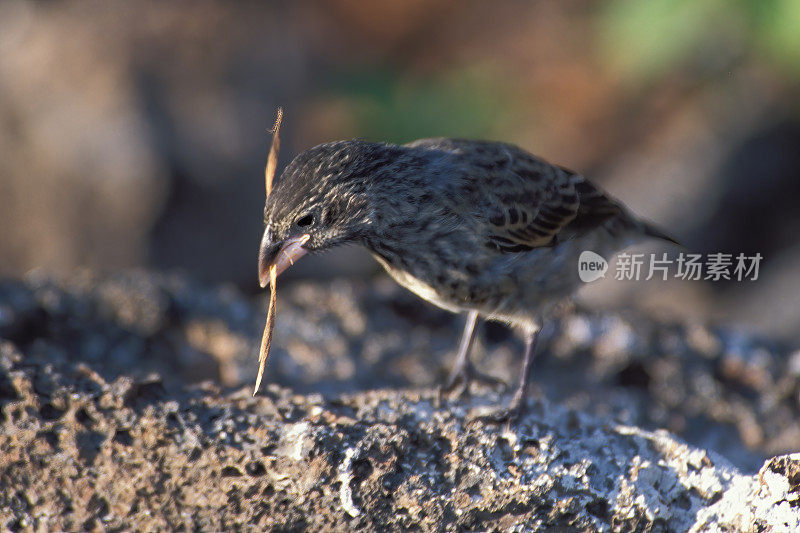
(631, 47)
(394, 108)
(649, 38)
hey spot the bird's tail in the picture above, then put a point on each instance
(626, 223)
(651, 230)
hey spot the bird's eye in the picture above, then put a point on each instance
(305, 220)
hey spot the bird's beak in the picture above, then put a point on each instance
(281, 254)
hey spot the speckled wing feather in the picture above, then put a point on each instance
(527, 202)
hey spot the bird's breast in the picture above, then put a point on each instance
(458, 275)
(423, 288)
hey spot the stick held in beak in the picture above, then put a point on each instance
(269, 173)
(290, 252)
(266, 337)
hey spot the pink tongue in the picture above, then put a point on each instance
(291, 252)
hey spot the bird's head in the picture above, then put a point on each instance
(321, 200)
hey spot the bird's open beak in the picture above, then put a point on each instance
(281, 254)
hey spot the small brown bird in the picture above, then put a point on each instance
(478, 227)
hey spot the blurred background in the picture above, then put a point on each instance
(134, 134)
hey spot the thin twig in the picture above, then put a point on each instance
(272, 158)
(269, 174)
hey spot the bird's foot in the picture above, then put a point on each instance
(508, 415)
(460, 379)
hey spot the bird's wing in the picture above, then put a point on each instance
(526, 207)
(524, 201)
(530, 203)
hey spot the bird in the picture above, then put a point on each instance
(481, 228)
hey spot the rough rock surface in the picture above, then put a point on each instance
(125, 403)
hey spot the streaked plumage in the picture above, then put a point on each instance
(481, 227)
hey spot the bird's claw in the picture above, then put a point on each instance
(510, 415)
(460, 380)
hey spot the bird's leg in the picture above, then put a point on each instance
(462, 364)
(516, 407)
(463, 372)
